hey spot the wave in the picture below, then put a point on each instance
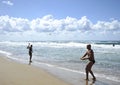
(5, 53)
(75, 44)
(108, 42)
(59, 45)
(65, 44)
(10, 43)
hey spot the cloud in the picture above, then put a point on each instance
(108, 26)
(50, 28)
(8, 3)
(45, 24)
(11, 24)
(49, 24)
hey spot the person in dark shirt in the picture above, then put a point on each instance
(90, 57)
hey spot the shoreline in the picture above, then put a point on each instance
(13, 73)
(18, 73)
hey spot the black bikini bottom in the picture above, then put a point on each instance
(93, 61)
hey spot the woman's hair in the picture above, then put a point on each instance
(88, 46)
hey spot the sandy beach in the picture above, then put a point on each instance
(13, 73)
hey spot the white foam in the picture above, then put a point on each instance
(112, 78)
(61, 44)
(5, 53)
(9, 43)
(108, 77)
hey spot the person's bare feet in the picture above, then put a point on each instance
(94, 79)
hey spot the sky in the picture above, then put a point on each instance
(42, 20)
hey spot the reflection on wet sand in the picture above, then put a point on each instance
(90, 83)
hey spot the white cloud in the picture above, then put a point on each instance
(45, 24)
(8, 3)
(84, 24)
(50, 24)
(69, 27)
(108, 26)
(11, 24)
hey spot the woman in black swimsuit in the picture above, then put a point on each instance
(30, 52)
(90, 57)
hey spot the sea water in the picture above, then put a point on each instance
(65, 55)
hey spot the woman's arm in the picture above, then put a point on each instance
(83, 58)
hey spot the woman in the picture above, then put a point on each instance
(91, 59)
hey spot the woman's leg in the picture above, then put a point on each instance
(88, 69)
(90, 66)
(31, 57)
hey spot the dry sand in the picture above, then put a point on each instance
(13, 73)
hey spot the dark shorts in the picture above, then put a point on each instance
(93, 61)
(30, 53)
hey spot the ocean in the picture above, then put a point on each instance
(65, 55)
